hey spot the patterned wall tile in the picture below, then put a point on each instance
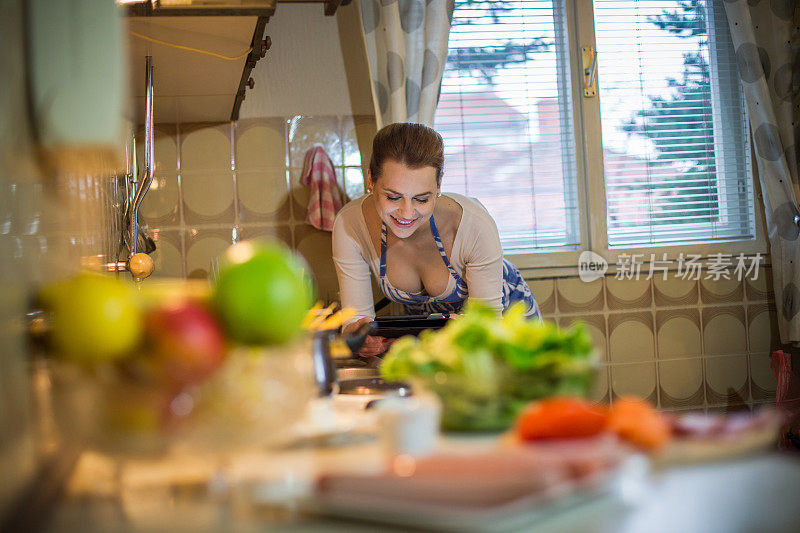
(263, 195)
(675, 291)
(328, 291)
(762, 328)
(761, 287)
(724, 331)
(206, 147)
(627, 294)
(282, 233)
(544, 292)
(161, 205)
(300, 194)
(168, 257)
(678, 333)
(204, 245)
(762, 380)
(600, 391)
(165, 147)
(208, 197)
(596, 326)
(260, 144)
(631, 337)
(727, 380)
(637, 379)
(721, 291)
(681, 383)
(576, 296)
(307, 131)
(315, 246)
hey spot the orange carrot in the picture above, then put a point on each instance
(634, 420)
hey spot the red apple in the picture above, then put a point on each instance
(186, 340)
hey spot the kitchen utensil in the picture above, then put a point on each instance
(351, 362)
(356, 339)
(393, 327)
(370, 386)
(343, 374)
(408, 426)
(324, 369)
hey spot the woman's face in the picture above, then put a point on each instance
(404, 197)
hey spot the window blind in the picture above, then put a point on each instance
(675, 154)
(505, 115)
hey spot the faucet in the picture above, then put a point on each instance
(139, 264)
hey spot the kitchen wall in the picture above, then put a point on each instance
(683, 344)
(221, 183)
(316, 66)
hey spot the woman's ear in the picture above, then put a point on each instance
(370, 184)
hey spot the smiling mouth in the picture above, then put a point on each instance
(402, 223)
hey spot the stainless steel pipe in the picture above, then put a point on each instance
(149, 158)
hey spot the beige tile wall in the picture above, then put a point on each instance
(216, 184)
(682, 344)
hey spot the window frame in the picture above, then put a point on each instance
(592, 216)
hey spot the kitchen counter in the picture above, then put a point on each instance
(258, 490)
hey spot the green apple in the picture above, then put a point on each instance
(262, 294)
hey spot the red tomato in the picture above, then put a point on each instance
(561, 418)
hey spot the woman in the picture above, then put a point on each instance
(428, 251)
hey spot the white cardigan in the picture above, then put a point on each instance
(477, 256)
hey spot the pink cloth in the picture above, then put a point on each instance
(325, 198)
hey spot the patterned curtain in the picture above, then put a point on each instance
(766, 43)
(406, 43)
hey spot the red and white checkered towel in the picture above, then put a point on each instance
(325, 198)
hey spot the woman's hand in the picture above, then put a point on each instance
(352, 327)
(373, 345)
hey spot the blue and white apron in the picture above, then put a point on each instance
(514, 287)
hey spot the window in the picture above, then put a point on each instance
(659, 157)
(504, 114)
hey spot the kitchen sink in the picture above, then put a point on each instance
(343, 374)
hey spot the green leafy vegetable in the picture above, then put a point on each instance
(485, 368)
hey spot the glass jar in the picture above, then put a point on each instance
(251, 400)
